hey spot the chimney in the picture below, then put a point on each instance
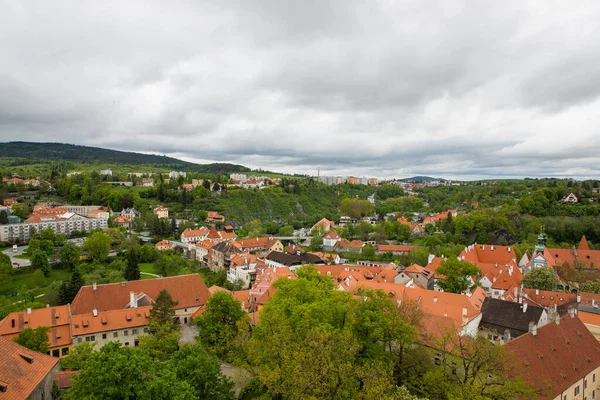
(533, 328)
(537, 292)
(515, 293)
(508, 249)
(557, 319)
(430, 258)
(578, 298)
(507, 336)
(572, 312)
(594, 303)
(465, 317)
(47, 305)
(28, 310)
(435, 299)
(132, 300)
(525, 307)
(492, 248)
(95, 312)
(94, 285)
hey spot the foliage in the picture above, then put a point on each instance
(590, 286)
(68, 290)
(132, 272)
(98, 245)
(171, 264)
(457, 275)
(163, 311)
(35, 339)
(162, 341)
(6, 269)
(78, 356)
(356, 208)
(542, 278)
(69, 255)
(39, 261)
(223, 319)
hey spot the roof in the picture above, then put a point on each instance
(57, 318)
(499, 315)
(206, 244)
(583, 244)
(331, 235)
(557, 356)
(188, 233)
(290, 260)
(85, 324)
(352, 243)
(324, 223)
(164, 243)
(547, 298)
(63, 378)
(189, 290)
(481, 253)
(589, 318)
(396, 247)
(21, 369)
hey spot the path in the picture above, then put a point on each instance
(17, 262)
(148, 273)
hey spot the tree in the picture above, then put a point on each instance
(69, 255)
(127, 373)
(163, 311)
(221, 322)
(161, 342)
(203, 372)
(68, 290)
(543, 278)
(39, 260)
(38, 279)
(35, 339)
(98, 246)
(170, 264)
(206, 184)
(78, 356)
(368, 251)
(3, 217)
(457, 275)
(356, 208)
(132, 272)
(148, 253)
(286, 231)
(6, 270)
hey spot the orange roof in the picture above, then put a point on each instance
(589, 318)
(353, 243)
(491, 254)
(164, 243)
(556, 357)
(206, 244)
(57, 318)
(214, 289)
(85, 324)
(331, 235)
(324, 223)
(121, 219)
(63, 378)
(161, 208)
(547, 298)
(589, 299)
(189, 290)
(22, 370)
(212, 233)
(188, 233)
(396, 247)
(227, 235)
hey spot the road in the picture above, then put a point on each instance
(20, 261)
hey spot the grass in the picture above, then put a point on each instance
(22, 257)
(147, 267)
(27, 279)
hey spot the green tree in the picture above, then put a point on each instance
(98, 246)
(163, 311)
(69, 255)
(39, 260)
(221, 322)
(3, 217)
(457, 275)
(132, 272)
(543, 278)
(6, 270)
(78, 356)
(356, 208)
(68, 290)
(162, 340)
(35, 339)
(170, 264)
(286, 230)
(148, 253)
(38, 279)
(368, 251)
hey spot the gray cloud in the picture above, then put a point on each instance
(389, 89)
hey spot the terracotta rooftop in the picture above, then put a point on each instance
(189, 290)
(396, 247)
(85, 324)
(556, 357)
(21, 370)
(57, 318)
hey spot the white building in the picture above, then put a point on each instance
(64, 224)
(176, 174)
(106, 172)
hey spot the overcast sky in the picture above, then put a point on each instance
(367, 88)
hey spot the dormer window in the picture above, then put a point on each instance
(26, 358)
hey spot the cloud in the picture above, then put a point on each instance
(387, 89)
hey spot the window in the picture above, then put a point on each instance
(115, 334)
(576, 390)
(145, 330)
(125, 333)
(78, 340)
(55, 353)
(126, 343)
(93, 338)
(585, 384)
(87, 338)
(594, 378)
(104, 336)
(134, 331)
(64, 351)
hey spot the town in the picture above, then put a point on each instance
(433, 277)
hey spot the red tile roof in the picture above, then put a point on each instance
(547, 298)
(188, 290)
(583, 245)
(57, 318)
(85, 324)
(63, 378)
(557, 357)
(396, 247)
(189, 233)
(21, 369)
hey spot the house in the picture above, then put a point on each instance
(353, 246)
(214, 217)
(330, 240)
(189, 291)
(191, 236)
(243, 268)
(344, 220)
(101, 327)
(561, 359)
(503, 321)
(106, 172)
(57, 318)
(324, 224)
(146, 182)
(329, 258)
(219, 256)
(177, 174)
(99, 213)
(9, 202)
(202, 249)
(24, 373)
(130, 213)
(161, 212)
(278, 259)
(123, 221)
(260, 246)
(419, 275)
(165, 245)
(219, 236)
(553, 302)
(589, 313)
(570, 199)
(582, 256)
(262, 290)
(395, 249)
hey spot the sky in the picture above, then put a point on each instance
(452, 89)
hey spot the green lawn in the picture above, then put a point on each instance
(147, 267)
(22, 256)
(26, 279)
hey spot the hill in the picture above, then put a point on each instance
(61, 151)
(422, 178)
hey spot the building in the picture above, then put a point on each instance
(419, 275)
(219, 256)
(64, 224)
(130, 213)
(260, 246)
(25, 374)
(176, 174)
(395, 249)
(106, 172)
(57, 318)
(561, 359)
(330, 240)
(503, 321)
(324, 224)
(123, 221)
(165, 245)
(352, 246)
(191, 236)
(101, 327)
(277, 259)
(161, 212)
(214, 217)
(189, 291)
(570, 199)
(202, 248)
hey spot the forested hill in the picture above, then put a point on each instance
(62, 151)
